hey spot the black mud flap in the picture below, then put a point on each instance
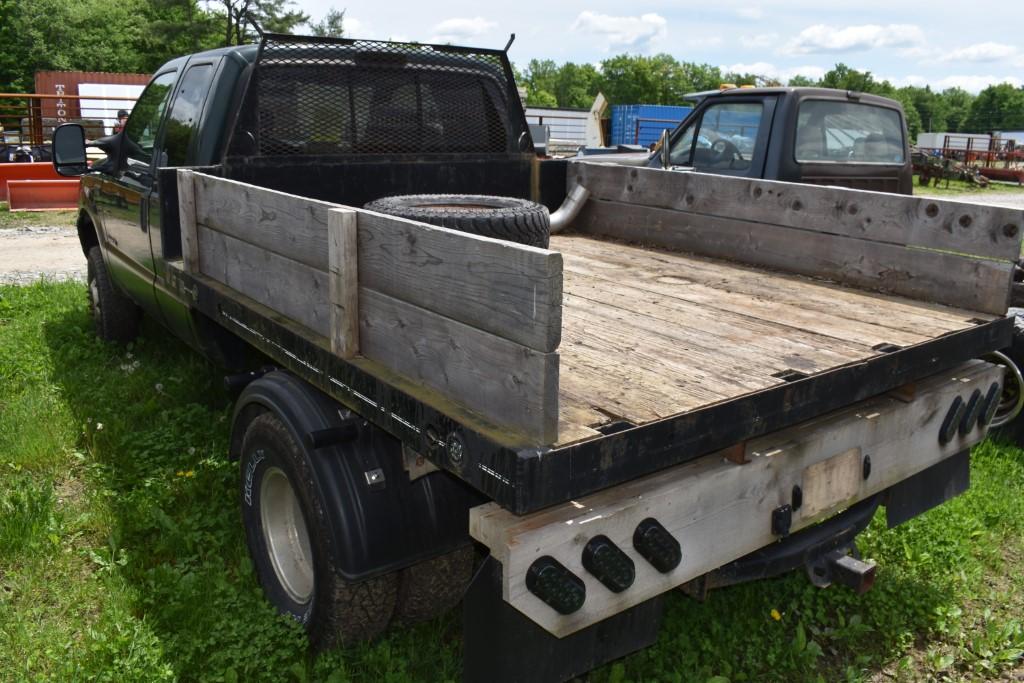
(502, 645)
(928, 488)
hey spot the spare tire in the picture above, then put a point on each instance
(505, 218)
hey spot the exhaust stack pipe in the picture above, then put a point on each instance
(569, 209)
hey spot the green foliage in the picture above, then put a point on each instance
(87, 35)
(958, 104)
(623, 79)
(541, 98)
(122, 556)
(997, 107)
(661, 79)
(134, 36)
(331, 26)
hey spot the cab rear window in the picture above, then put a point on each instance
(848, 132)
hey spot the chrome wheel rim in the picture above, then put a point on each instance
(286, 536)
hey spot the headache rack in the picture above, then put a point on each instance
(338, 96)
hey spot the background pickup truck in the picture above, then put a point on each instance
(801, 135)
(697, 380)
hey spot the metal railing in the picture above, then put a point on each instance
(29, 118)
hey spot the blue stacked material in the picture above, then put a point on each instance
(641, 124)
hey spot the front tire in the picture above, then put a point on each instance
(115, 316)
(288, 532)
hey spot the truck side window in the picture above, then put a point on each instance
(183, 120)
(725, 138)
(844, 132)
(141, 129)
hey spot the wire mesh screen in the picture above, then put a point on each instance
(311, 96)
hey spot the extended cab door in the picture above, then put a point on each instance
(727, 136)
(122, 199)
(176, 146)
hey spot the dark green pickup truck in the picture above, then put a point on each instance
(673, 380)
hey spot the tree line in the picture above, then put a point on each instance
(662, 79)
(140, 35)
(134, 36)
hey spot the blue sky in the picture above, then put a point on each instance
(941, 44)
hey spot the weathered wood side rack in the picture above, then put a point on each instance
(475, 319)
(453, 342)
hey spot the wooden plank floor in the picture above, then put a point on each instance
(647, 334)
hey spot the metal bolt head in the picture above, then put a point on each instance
(456, 451)
(375, 478)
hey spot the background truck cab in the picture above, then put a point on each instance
(803, 135)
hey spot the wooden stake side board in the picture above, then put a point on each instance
(511, 290)
(690, 212)
(979, 230)
(360, 310)
(719, 510)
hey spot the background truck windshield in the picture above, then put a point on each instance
(838, 132)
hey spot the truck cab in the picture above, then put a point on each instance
(804, 135)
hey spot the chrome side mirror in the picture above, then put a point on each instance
(663, 150)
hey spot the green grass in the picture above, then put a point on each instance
(122, 556)
(958, 187)
(20, 219)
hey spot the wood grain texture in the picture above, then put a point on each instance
(720, 511)
(920, 318)
(981, 230)
(916, 273)
(500, 380)
(511, 290)
(187, 220)
(648, 333)
(285, 224)
(289, 287)
(342, 227)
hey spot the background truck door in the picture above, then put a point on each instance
(729, 137)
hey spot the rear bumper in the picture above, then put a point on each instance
(720, 511)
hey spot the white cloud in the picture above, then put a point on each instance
(356, 28)
(971, 83)
(753, 13)
(460, 29)
(824, 38)
(980, 52)
(770, 70)
(760, 41)
(703, 41)
(974, 83)
(638, 32)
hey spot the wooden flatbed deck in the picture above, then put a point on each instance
(648, 333)
(535, 360)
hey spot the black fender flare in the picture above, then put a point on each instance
(376, 528)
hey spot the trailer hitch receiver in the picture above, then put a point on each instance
(839, 566)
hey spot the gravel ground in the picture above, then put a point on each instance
(1014, 200)
(32, 253)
